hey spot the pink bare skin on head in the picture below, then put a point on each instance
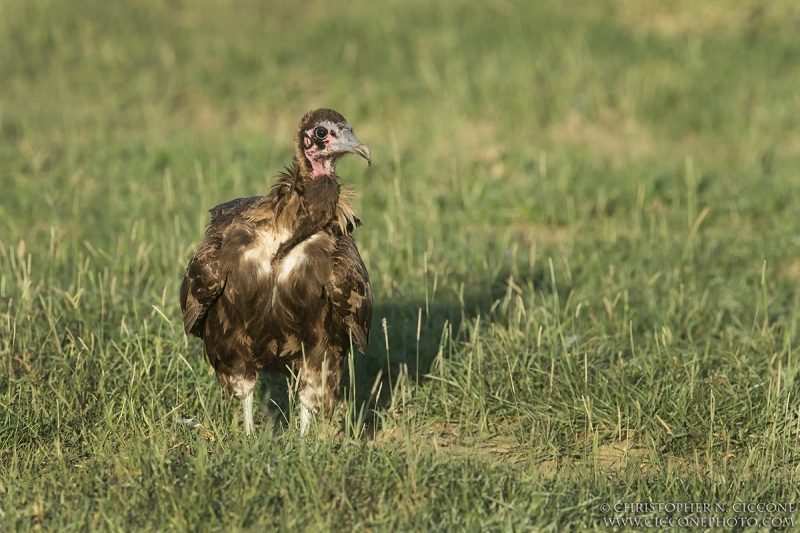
(326, 142)
(323, 162)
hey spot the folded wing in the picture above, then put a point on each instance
(349, 290)
(204, 278)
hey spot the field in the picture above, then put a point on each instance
(581, 227)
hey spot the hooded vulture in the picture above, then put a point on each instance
(278, 282)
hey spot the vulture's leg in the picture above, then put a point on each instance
(320, 379)
(305, 419)
(243, 388)
(310, 389)
(247, 403)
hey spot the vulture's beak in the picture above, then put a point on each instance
(350, 143)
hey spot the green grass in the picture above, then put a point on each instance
(581, 229)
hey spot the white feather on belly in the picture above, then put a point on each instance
(263, 250)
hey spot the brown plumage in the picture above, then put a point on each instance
(277, 280)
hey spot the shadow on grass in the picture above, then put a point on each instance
(406, 338)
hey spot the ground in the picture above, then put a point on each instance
(580, 225)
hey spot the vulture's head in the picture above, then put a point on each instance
(322, 138)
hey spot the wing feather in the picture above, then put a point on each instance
(349, 290)
(204, 279)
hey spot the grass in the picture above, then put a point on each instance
(581, 230)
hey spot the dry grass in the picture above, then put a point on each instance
(677, 18)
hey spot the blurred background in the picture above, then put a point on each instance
(494, 124)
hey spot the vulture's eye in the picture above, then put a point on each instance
(321, 134)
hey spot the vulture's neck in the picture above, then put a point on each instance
(323, 199)
(308, 183)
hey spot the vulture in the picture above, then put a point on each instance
(277, 282)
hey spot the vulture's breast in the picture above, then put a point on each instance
(259, 255)
(302, 272)
(288, 286)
